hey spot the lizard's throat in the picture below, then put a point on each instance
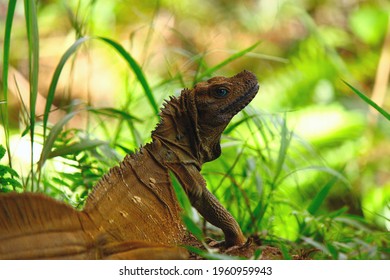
(179, 131)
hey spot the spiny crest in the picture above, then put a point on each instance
(172, 108)
(171, 105)
(114, 172)
(186, 98)
(100, 188)
(105, 180)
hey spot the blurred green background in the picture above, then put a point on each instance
(308, 162)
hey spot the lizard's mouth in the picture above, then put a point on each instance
(241, 102)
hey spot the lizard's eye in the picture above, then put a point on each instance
(221, 92)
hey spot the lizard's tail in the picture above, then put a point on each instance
(34, 226)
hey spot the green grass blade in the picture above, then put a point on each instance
(115, 113)
(233, 126)
(193, 227)
(318, 168)
(284, 145)
(30, 11)
(54, 132)
(316, 244)
(231, 58)
(211, 254)
(118, 115)
(76, 148)
(49, 140)
(6, 48)
(185, 204)
(54, 81)
(321, 196)
(369, 101)
(181, 195)
(136, 69)
(129, 59)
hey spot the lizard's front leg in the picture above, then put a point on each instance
(207, 204)
(213, 211)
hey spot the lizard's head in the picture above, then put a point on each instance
(219, 99)
(198, 117)
(216, 102)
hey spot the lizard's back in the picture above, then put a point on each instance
(128, 216)
(135, 201)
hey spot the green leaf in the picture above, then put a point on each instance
(369, 101)
(233, 126)
(30, 12)
(54, 81)
(353, 222)
(210, 255)
(231, 58)
(185, 204)
(136, 69)
(129, 59)
(321, 196)
(6, 49)
(316, 244)
(33, 47)
(112, 112)
(192, 227)
(54, 132)
(283, 150)
(332, 250)
(2, 151)
(76, 148)
(9, 182)
(181, 195)
(10, 173)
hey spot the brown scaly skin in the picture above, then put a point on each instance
(133, 212)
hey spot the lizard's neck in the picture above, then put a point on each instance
(177, 134)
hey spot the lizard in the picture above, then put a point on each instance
(133, 212)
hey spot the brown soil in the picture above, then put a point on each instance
(252, 249)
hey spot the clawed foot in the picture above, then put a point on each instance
(227, 247)
(245, 250)
(214, 243)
